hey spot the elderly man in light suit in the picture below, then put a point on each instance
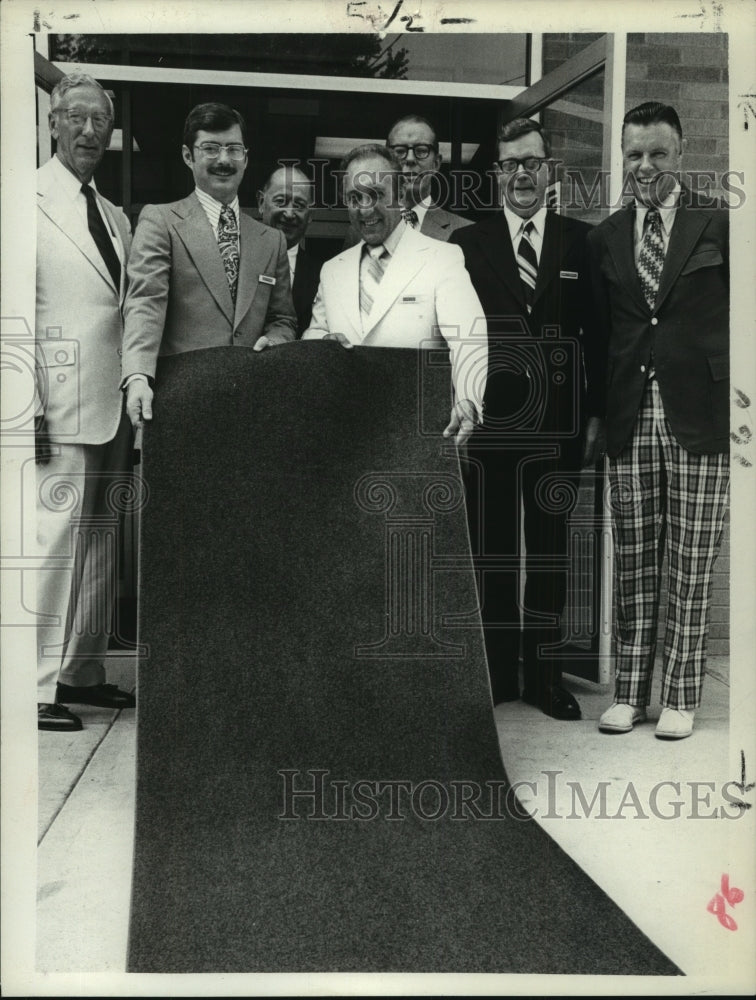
(202, 274)
(399, 288)
(83, 439)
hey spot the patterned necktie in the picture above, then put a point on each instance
(228, 244)
(372, 269)
(527, 262)
(651, 256)
(101, 236)
(410, 217)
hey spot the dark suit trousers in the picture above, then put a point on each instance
(498, 481)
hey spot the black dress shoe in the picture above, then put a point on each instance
(102, 695)
(554, 701)
(57, 719)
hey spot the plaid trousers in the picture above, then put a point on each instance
(661, 495)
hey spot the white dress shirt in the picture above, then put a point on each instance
(667, 212)
(516, 224)
(70, 185)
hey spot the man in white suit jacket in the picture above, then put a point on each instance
(399, 288)
(82, 436)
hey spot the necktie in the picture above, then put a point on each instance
(101, 236)
(410, 217)
(228, 244)
(651, 256)
(527, 262)
(372, 269)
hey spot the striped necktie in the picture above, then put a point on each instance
(527, 263)
(651, 256)
(228, 244)
(372, 268)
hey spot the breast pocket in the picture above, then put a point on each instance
(703, 258)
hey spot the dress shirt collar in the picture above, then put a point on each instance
(213, 208)
(420, 209)
(392, 240)
(69, 183)
(516, 222)
(667, 211)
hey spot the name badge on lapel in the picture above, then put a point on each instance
(266, 279)
(569, 274)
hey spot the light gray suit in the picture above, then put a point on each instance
(178, 298)
(78, 330)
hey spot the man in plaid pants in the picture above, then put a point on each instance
(660, 272)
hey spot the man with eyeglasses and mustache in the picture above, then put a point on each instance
(83, 439)
(413, 141)
(201, 273)
(543, 415)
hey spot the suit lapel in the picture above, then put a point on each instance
(619, 242)
(432, 224)
(199, 239)
(62, 213)
(557, 239)
(254, 257)
(686, 230)
(403, 266)
(496, 246)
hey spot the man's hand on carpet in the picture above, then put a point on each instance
(340, 337)
(461, 422)
(269, 340)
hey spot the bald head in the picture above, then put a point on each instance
(285, 203)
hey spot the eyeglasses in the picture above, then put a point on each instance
(530, 163)
(212, 150)
(422, 151)
(78, 118)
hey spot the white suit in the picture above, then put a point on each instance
(424, 298)
(78, 331)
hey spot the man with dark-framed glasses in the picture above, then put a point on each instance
(543, 416)
(201, 273)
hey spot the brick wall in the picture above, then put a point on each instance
(688, 71)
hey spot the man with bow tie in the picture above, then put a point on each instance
(662, 282)
(83, 440)
(201, 272)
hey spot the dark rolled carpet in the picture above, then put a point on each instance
(319, 780)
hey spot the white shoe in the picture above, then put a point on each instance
(675, 724)
(620, 718)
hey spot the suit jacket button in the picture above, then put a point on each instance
(643, 368)
(120, 353)
(654, 321)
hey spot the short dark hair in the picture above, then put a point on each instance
(518, 127)
(211, 117)
(417, 120)
(653, 113)
(367, 150)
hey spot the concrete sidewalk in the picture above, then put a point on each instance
(660, 862)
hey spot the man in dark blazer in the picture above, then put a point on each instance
(660, 269)
(285, 203)
(413, 141)
(201, 273)
(542, 420)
